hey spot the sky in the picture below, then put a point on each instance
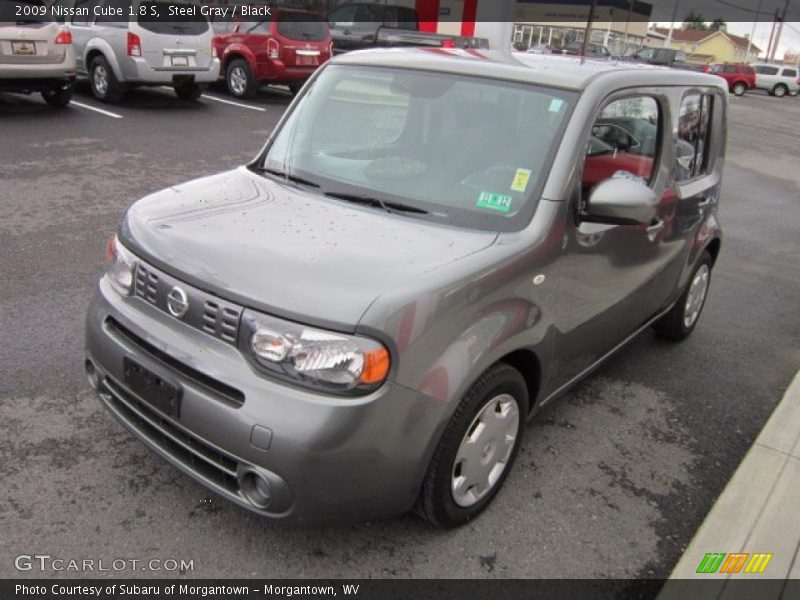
(739, 14)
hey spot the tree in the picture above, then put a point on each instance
(718, 24)
(694, 21)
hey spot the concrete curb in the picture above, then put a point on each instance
(758, 512)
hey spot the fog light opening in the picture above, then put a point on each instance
(256, 489)
(91, 374)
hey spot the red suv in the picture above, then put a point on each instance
(740, 77)
(285, 48)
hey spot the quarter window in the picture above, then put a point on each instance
(623, 142)
(789, 73)
(693, 131)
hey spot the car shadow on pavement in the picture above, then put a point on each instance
(143, 98)
(23, 105)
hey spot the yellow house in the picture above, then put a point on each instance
(705, 46)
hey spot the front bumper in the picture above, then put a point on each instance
(326, 458)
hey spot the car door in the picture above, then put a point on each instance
(612, 275)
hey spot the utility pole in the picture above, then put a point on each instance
(668, 40)
(772, 34)
(588, 31)
(752, 33)
(780, 30)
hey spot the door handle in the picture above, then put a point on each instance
(704, 203)
(653, 229)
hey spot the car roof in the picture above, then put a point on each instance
(559, 71)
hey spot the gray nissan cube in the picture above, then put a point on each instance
(432, 245)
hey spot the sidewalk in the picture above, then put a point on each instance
(758, 512)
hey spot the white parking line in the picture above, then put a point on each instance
(95, 109)
(232, 103)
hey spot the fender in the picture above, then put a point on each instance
(99, 44)
(237, 50)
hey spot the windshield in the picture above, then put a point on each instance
(461, 150)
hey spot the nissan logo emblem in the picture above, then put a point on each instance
(177, 302)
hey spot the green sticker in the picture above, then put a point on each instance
(499, 202)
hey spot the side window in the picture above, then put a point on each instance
(789, 73)
(624, 142)
(693, 133)
(89, 6)
(262, 27)
(767, 70)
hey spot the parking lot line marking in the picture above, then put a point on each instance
(95, 109)
(231, 102)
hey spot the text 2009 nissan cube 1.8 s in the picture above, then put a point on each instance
(431, 247)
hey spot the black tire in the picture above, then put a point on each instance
(739, 89)
(58, 97)
(239, 79)
(436, 503)
(780, 90)
(189, 92)
(113, 90)
(673, 326)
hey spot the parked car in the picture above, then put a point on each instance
(284, 49)
(362, 320)
(117, 55)
(540, 49)
(360, 25)
(592, 50)
(740, 77)
(36, 56)
(665, 57)
(777, 79)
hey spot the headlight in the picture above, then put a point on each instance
(121, 266)
(323, 360)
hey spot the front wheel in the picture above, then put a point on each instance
(739, 89)
(58, 97)
(679, 322)
(477, 449)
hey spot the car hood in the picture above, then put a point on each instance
(276, 248)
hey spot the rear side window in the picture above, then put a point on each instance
(114, 19)
(302, 26)
(765, 70)
(177, 24)
(88, 6)
(261, 27)
(624, 142)
(691, 151)
(789, 73)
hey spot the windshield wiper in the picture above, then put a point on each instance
(377, 202)
(288, 177)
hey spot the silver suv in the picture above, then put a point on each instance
(430, 248)
(35, 53)
(149, 49)
(778, 80)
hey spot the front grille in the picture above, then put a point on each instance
(206, 312)
(146, 285)
(222, 391)
(215, 466)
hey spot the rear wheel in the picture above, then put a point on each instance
(477, 449)
(58, 97)
(189, 91)
(780, 90)
(679, 322)
(105, 85)
(739, 89)
(240, 80)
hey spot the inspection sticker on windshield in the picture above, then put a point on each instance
(520, 182)
(499, 202)
(556, 104)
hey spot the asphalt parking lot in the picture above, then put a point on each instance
(612, 481)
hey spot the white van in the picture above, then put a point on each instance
(778, 80)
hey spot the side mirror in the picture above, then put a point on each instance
(623, 201)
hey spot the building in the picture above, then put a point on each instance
(707, 46)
